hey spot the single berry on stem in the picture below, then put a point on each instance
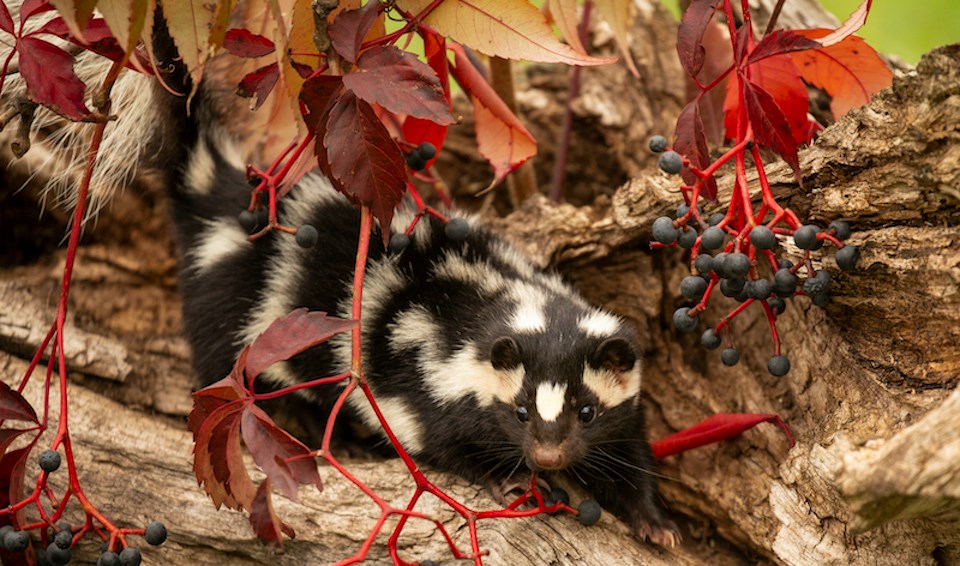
(778, 366)
(777, 305)
(155, 533)
(415, 162)
(709, 339)
(457, 229)
(840, 229)
(763, 238)
(693, 287)
(683, 321)
(732, 287)
(716, 218)
(730, 357)
(58, 556)
(108, 559)
(307, 236)
(426, 151)
(248, 221)
(588, 512)
(557, 495)
(847, 257)
(657, 144)
(664, 231)
(712, 238)
(671, 162)
(63, 539)
(688, 238)
(130, 557)
(49, 461)
(398, 243)
(703, 263)
(806, 237)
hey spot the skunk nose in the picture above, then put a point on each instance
(549, 456)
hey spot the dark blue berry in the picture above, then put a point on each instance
(16, 541)
(457, 229)
(307, 236)
(784, 263)
(777, 305)
(426, 151)
(657, 144)
(688, 238)
(730, 357)
(709, 339)
(778, 365)
(130, 557)
(818, 284)
(415, 162)
(737, 265)
(589, 512)
(49, 461)
(248, 221)
(671, 162)
(759, 289)
(704, 263)
(557, 495)
(847, 257)
(732, 287)
(683, 321)
(716, 218)
(806, 237)
(784, 282)
(57, 556)
(692, 287)
(108, 559)
(841, 229)
(398, 242)
(763, 238)
(720, 264)
(712, 238)
(155, 533)
(63, 539)
(664, 231)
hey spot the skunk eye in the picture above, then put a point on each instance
(522, 414)
(587, 413)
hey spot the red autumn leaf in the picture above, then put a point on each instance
(48, 72)
(285, 460)
(290, 335)
(351, 26)
(363, 157)
(770, 126)
(399, 82)
(714, 429)
(853, 22)
(849, 71)
(14, 407)
(96, 37)
(12, 475)
(6, 20)
(695, 20)
(780, 77)
(264, 520)
(690, 140)
(780, 42)
(245, 43)
(417, 130)
(318, 95)
(501, 137)
(258, 84)
(218, 461)
(31, 8)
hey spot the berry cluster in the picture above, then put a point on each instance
(737, 252)
(419, 156)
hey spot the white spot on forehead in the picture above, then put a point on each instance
(454, 267)
(414, 328)
(400, 416)
(219, 239)
(613, 388)
(531, 302)
(463, 374)
(599, 324)
(550, 399)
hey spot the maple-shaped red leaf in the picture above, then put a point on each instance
(770, 126)
(286, 461)
(265, 522)
(399, 82)
(351, 26)
(245, 43)
(690, 140)
(778, 43)
(290, 335)
(14, 407)
(695, 20)
(363, 157)
(417, 130)
(501, 136)
(781, 78)
(48, 73)
(6, 20)
(714, 429)
(258, 84)
(849, 71)
(218, 461)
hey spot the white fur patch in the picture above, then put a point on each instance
(599, 324)
(462, 375)
(201, 170)
(613, 388)
(399, 415)
(531, 302)
(414, 328)
(550, 399)
(454, 267)
(220, 238)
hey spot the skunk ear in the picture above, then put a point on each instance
(614, 354)
(505, 353)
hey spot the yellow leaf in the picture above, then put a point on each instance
(190, 23)
(504, 145)
(221, 21)
(126, 21)
(564, 13)
(617, 15)
(511, 29)
(75, 13)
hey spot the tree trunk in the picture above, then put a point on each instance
(873, 479)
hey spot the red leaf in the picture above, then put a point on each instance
(218, 461)
(319, 94)
(714, 429)
(6, 20)
(695, 20)
(853, 22)
(290, 335)
(96, 37)
(779, 42)
(416, 130)
(12, 474)
(399, 82)
(770, 126)
(849, 71)
(265, 522)
(363, 157)
(350, 27)
(48, 72)
(691, 142)
(286, 461)
(245, 43)
(258, 84)
(31, 8)
(780, 77)
(13, 406)
(502, 138)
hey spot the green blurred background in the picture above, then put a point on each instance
(906, 28)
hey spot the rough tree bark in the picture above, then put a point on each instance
(874, 477)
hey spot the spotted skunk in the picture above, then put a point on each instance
(483, 365)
